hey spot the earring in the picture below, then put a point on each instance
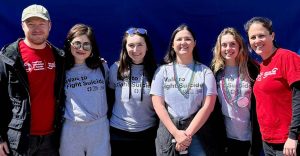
(91, 55)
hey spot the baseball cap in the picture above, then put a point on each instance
(35, 11)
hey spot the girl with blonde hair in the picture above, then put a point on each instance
(235, 73)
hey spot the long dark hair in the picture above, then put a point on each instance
(171, 54)
(125, 61)
(94, 61)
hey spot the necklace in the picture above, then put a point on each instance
(226, 92)
(184, 93)
(241, 101)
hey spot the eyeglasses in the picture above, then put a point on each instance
(132, 31)
(85, 45)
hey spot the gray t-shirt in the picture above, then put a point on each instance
(131, 114)
(85, 93)
(236, 109)
(178, 105)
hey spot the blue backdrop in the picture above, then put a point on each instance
(160, 17)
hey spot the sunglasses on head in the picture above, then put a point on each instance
(85, 45)
(132, 31)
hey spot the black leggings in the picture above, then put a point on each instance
(237, 147)
(132, 143)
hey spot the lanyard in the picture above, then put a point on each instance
(142, 84)
(184, 93)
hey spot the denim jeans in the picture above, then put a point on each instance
(196, 147)
(164, 145)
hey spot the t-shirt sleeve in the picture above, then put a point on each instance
(292, 67)
(210, 87)
(157, 82)
(106, 70)
(112, 76)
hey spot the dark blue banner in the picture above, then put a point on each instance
(110, 19)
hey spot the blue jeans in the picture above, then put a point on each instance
(196, 147)
(165, 146)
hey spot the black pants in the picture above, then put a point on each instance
(237, 147)
(40, 146)
(275, 149)
(132, 143)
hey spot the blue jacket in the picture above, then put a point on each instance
(15, 100)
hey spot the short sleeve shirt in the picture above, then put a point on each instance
(180, 105)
